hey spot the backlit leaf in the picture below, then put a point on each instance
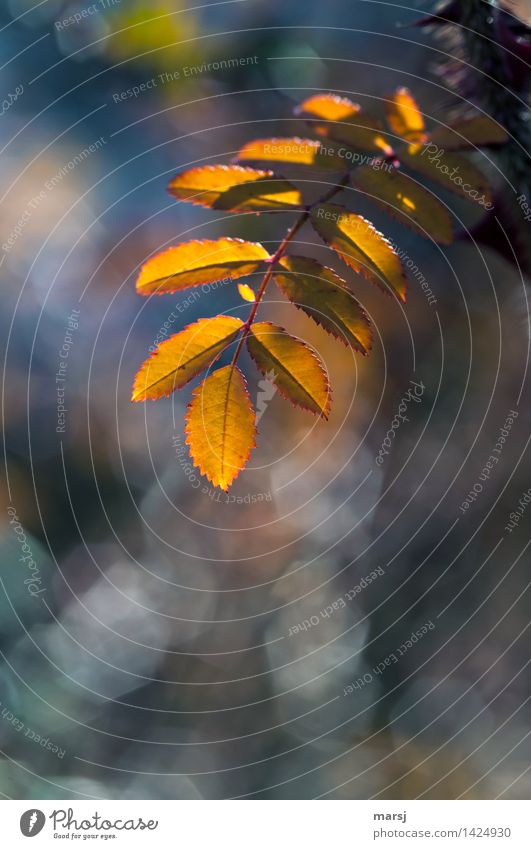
(292, 366)
(233, 188)
(181, 357)
(246, 293)
(401, 196)
(355, 128)
(320, 154)
(450, 170)
(404, 116)
(361, 246)
(220, 426)
(363, 135)
(470, 132)
(197, 262)
(324, 296)
(331, 107)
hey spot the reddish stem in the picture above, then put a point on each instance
(279, 253)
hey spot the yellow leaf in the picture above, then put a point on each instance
(401, 196)
(470, 132)
(295, 150)
(183, 356)
(404, 116)
(382, 145)
(361, 246)
(324, 296)
(364, 135)
(220, 426)
(246, 292)
(354, 128)
(331, 107)
(292, 366)
(450, 170)
(231, 188)
(197, 262)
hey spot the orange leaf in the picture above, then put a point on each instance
(324, 296)
(331, 107)
(292, 366)
(193, 263)
(231, 188)
(401, 196)
(181, 357)
(470, 132)
(246, 293)
(361, 246)
(450, 170)
(404, 116)
(354, 127)
(364, 135)
(220, 426)
(295, 150)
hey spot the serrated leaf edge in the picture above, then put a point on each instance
(322, 414)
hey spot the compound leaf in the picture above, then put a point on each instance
(401, 196)
(324, 296)
(361, 246)
(220, 426)
(233, 188)
(292, 366)
(197, 262)
(184, 355)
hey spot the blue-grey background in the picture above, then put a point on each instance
(157, 659)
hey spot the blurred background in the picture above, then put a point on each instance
(158, 639)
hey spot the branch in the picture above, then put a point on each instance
(279, 253)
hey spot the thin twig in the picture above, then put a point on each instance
(279, 253)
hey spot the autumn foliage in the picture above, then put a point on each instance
(220, 424)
